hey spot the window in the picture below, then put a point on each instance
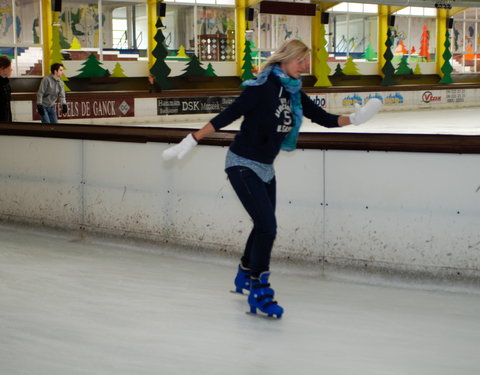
(268, 31)
(415, 35)
(465, 41)
(179, 31)
(20, 36)
(352, 31)
(215, 34)
(208, 31)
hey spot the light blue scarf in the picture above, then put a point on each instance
(293, 86)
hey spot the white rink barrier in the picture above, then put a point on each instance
(395, 210)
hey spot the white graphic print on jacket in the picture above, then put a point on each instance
(284, 111)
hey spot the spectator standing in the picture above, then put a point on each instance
(5, 89)
(51, 89)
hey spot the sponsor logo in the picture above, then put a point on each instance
(351, 100)
(428, 97)
(93, 108)
(321, 101)
(182, 106)
(376, 96)
(396, 98)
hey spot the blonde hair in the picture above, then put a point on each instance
(290, 49)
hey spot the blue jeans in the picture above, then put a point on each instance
(258, 199)
(50, 115)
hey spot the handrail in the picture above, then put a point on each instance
(460, 144)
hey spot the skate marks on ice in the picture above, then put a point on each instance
(100, 308)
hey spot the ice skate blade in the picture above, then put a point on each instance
(238, 293)
(264, 316)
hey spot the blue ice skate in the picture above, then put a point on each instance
(242, 280)
(261, 297)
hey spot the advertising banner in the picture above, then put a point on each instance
(187, 106)
(93, 108)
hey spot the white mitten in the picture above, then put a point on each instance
(181, 149)
(365, 113)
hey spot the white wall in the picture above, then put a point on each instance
(403, 211)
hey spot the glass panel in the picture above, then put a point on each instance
(179, 30)
(265, 39)
(216, 33)
(370, 8)
(79, 25)
(470, 40)
(125, 28)
(140, 29)
(416, 11)
(431, 12)
(28, 62)
(342, 7)
(415, 37)
(370, 52)
(28, 21)
(354, 7)
(270, 30)
(356, 34)
(340, 35)
(6, 23)
(478, 36)
(458, 63)
(457, 36)
(470, 13)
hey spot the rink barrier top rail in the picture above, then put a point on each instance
(461, 144)
(227, 92)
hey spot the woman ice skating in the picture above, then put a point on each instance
(273, 106)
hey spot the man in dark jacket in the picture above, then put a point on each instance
(5, 90)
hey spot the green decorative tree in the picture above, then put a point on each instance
(370, 54)
(350, 68)
(63, 41)
(323, 70)
(194, 68)
(118, 71)
(447, 68)
(160, 69)
(403, 67)
(210, 72)
(338, 71)
(388, 69)
(91, 68)
(247, 65)
(253, 47)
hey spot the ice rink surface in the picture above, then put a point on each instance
(460, 121)
(90, 306)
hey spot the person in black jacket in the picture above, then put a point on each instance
(272, 107)
(5, 90)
